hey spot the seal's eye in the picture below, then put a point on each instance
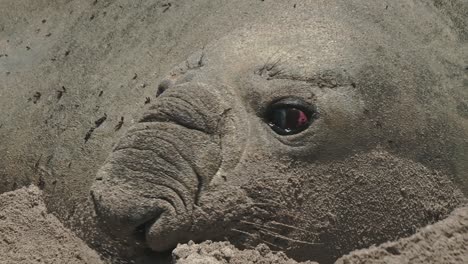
(289, 116)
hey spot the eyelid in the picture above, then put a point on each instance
(292, 102)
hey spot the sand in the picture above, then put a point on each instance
(28, 234)
(223, 253)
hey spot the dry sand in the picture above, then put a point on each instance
(28, 234)
(223, 253)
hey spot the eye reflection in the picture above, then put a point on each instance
(286, 118)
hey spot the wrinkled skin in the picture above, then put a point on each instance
(378, 161)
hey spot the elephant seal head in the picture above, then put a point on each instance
(315, 136)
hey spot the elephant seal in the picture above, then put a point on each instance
(317, 133)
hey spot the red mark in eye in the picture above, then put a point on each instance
(302, 119)
(294, 119)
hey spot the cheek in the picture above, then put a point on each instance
(342, 126)
(256, 164)
(342, 108)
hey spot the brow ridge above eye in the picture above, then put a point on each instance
(322, 79)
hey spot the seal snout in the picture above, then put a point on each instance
(151, 182)
(122, 220)
(142, 190)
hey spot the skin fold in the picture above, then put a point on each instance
(382, 157)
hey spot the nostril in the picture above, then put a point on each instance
(159, 91)
(141, 230)
(163, 86)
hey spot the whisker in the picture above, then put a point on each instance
(276, 235)
(290, 226)
(268, 203)
(243, 232)
(257, 239)
(256, 225)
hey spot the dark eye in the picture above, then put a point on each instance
(289, 116)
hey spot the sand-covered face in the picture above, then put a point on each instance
(303, 137)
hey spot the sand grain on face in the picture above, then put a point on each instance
(28, 234)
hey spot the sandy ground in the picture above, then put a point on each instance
(223, 253)
(28, 234)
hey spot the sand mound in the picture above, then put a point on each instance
(223, 253)
(28, 234)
